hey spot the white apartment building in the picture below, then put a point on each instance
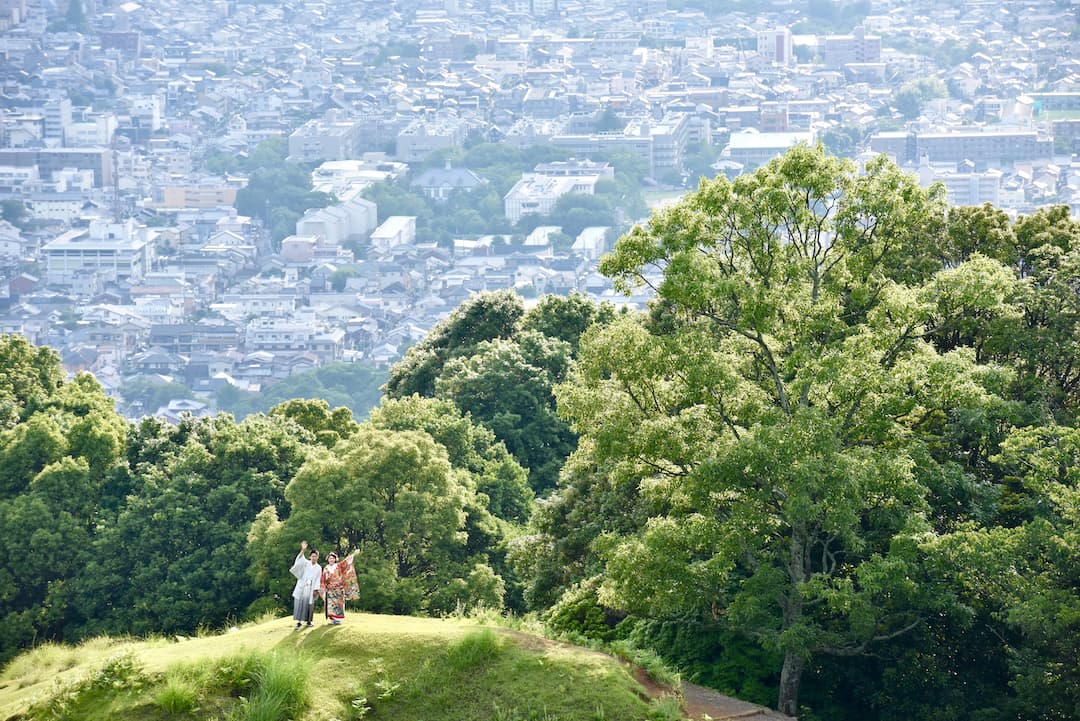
(13, 176)
(351, 219)
(963, 187)
(424, 136)
(278, 334)
(63, 207)
(858, 47)
(318, 140)
(660, 143)
(753, 149)
(121, 251)
(92, 131)
(539, 193)
(776, 46)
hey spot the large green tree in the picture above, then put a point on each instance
(422, 535)
(507, 385)
(775, 412)
(485, 317)
(499, 363)
(469, 446)
(1024, 579)
(60, 444)
(174, 558)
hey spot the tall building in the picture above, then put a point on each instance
(776, 46)
(57, 113)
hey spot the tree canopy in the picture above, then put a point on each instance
(808, 407)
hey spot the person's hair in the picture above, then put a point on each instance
(311, 551)
(331, 553)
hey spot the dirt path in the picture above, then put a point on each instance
(704, 703)
(699, 703)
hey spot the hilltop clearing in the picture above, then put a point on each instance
(375, 667)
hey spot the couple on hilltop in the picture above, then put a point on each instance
(335, 584)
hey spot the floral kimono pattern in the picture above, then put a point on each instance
(339, 583)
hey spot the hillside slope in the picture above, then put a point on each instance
(373, 667)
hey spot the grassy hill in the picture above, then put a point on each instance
(372, 667)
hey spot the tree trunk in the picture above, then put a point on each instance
(790, 678)
(798, 572)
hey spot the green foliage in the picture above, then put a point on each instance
(469, 446)
(96, 695)
(698, 161)
(418, 529)
(609, 121)
(574, 212)
(566, 317)
(843, 141)
(945, 54)
(277, 192)
(387, 668)
(825, 16)
(251, 686)
(61, 442)
(176, 696)
(152, 395)
(75, 16)
(280, 689)
(579, 612)
(912, 96)
(31, 374)
(768, 391)
(487, 358)
(475, 649)
(316, 417)
(174, 558)
(350, 385)
(506, 384)
(13, 211)
(712, 655)
(485, 317)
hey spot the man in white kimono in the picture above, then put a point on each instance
(308, 583)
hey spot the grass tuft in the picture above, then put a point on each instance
(40, 664)
(648, 660)
(280, 688)
(666, 708)
(474, 649)
(177, 696)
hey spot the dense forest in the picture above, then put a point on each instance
(832, 469)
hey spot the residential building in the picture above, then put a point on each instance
(984, 147)
(858, 47)
(753, 149)
(439, 183)
(122, 251)
(424, 136)
(394, 231)
(318, 140)
(775, 45)
(538, 193)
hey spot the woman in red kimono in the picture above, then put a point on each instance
(338, 584)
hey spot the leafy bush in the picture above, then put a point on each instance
(579, 612)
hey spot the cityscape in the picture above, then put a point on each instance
(225, 194)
